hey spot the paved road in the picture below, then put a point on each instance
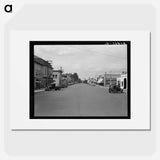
(80, 100)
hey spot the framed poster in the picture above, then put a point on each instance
(89, 80)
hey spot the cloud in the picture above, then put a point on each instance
(86, 60)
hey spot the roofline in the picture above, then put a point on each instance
(57, 70)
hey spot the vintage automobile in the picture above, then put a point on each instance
(115, 89)
(50, 87)
(64, 84)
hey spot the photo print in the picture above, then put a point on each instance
(80, 79)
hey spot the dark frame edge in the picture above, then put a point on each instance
(31, 96)
(31, 79)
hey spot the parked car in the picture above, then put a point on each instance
(50, 87)
(64, 83)
(115, 89)
(92, 84)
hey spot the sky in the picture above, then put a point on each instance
(86, 60)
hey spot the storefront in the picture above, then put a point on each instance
(122, 81)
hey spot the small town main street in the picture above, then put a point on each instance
(80, 100)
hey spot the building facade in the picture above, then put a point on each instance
(122, 81)
(42, 73)
(107, 79)
(111, 79)
(57, 78)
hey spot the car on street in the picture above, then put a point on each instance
(50, 87)
(64, 83)
(115, 89)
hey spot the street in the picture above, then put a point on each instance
(80, 100)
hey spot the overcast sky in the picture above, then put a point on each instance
(86, 60)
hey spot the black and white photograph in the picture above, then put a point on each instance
(80, 79)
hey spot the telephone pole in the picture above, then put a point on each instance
(104, 79)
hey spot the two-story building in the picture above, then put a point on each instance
(42, 73)
(107, 79)
(57, 78)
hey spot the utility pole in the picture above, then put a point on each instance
(104, 79)
(110, 77)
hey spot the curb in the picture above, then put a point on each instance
(102, 87)
(40, 90)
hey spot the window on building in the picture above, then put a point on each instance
(55, 76)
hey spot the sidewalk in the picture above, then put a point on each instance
(105, 87)
(39, 90)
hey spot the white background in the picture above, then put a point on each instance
(140, 80)
(89, 144)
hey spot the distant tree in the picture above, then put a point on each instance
(75, 76)
(79, 80)
(85, 81)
